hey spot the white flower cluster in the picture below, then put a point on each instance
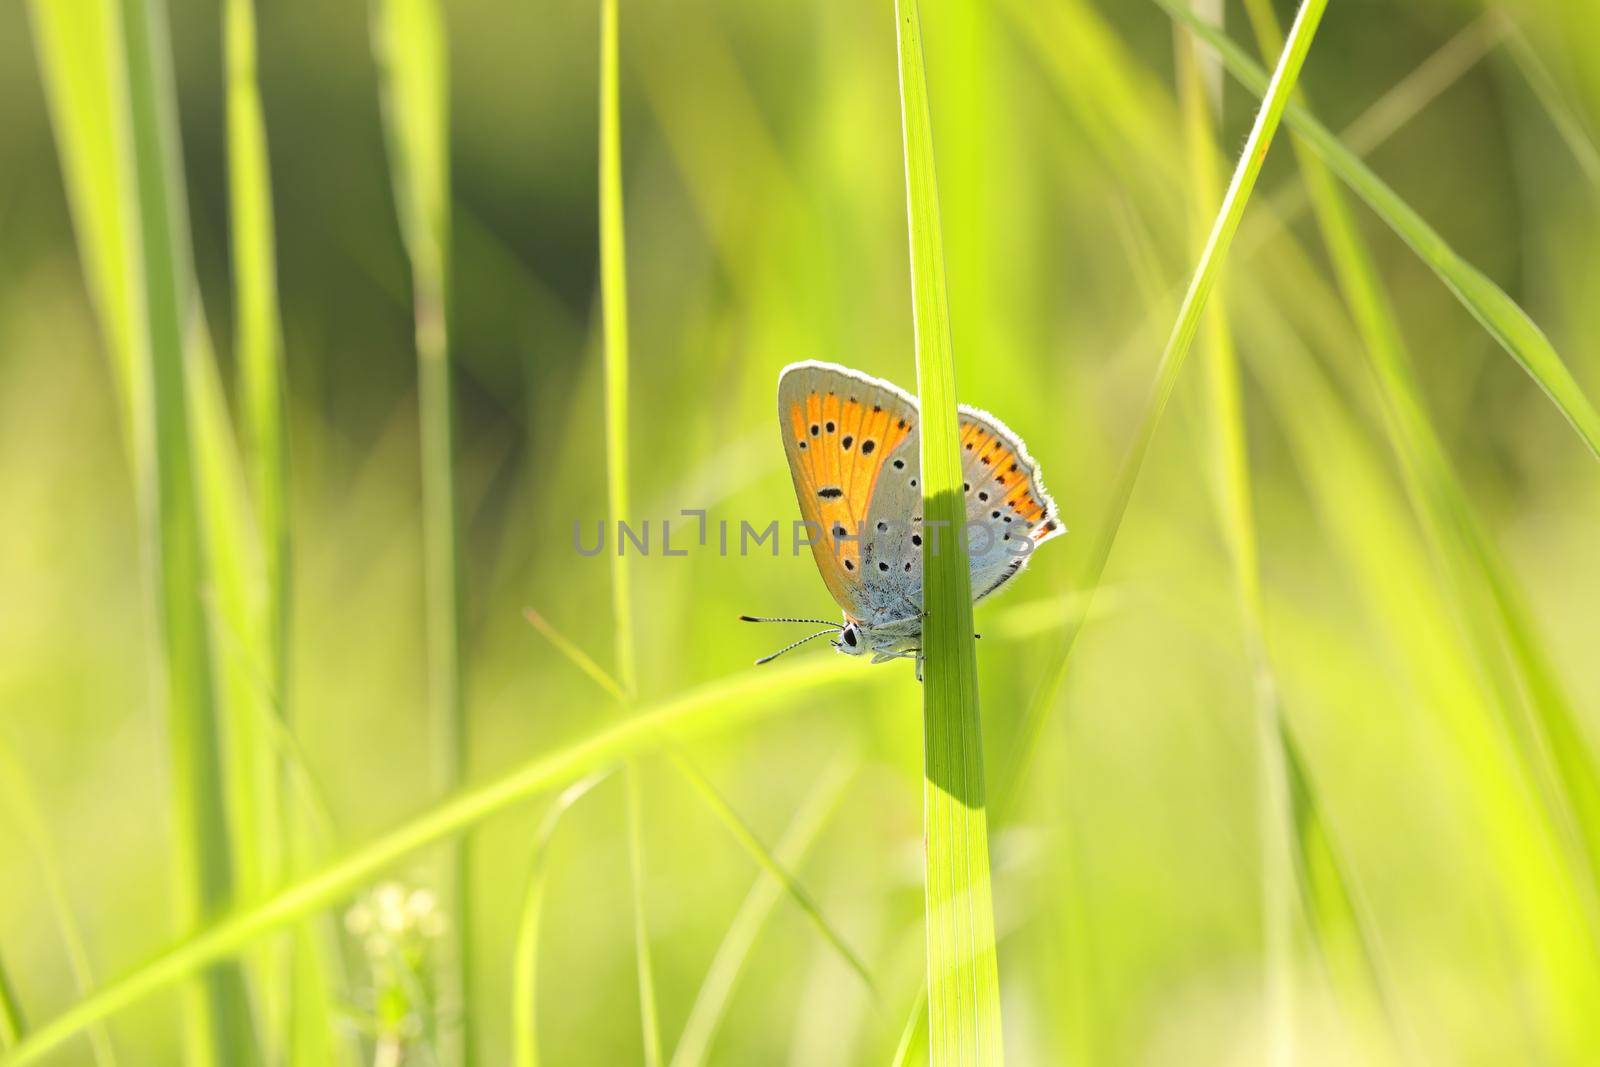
(391, 920)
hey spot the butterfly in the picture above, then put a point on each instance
(854, 454)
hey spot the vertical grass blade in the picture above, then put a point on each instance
(963, 977)
(1235, 506)
(614, 320)
(1501, 316)
(649, 1016)
(1218, 241)
(412, 53)
(107, 72)
(10, 1014)
(525, 956)
(217, 1028)
(259, 342)
(308, 1030)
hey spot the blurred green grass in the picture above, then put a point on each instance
(766, 222)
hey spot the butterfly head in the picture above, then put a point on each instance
(852, 641)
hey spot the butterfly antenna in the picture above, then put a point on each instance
(816, 622)
(795, 645)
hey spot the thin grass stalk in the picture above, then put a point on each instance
(1571, 128)
(259, 342)
(649, 1016)
(1231, 478)
(963, 975)
(525, 956)
(915, 1027)
(614, 320)
(10, 1013)
(1556, 754)
(716, 989)
(258, 351)
(1273, 104)
(1335, 910)
(412, 52)
(294, 1000)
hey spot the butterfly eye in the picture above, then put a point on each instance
(850, 638)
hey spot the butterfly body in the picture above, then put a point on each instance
(853, 448)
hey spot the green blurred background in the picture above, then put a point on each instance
(765, 210)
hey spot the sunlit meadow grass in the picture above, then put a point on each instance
(319, 331)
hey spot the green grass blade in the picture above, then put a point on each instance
(1236, 513)
(1218, 241)
(575, 655)
(614, 320)
(235, 603)
(1501, 316)
(914, 1028)
(83, 68)
(308, 1030)
(716, 989)
(218, 1025)
(1572, 130)
(963, 975)
(525, 957)
(259, 344)
(411, 49)
(649, 1016)
(1430, 80)
(27, 817)
(1346, 936)
(107, 72)
(10, 1014)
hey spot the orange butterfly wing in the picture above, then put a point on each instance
(839, 427)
